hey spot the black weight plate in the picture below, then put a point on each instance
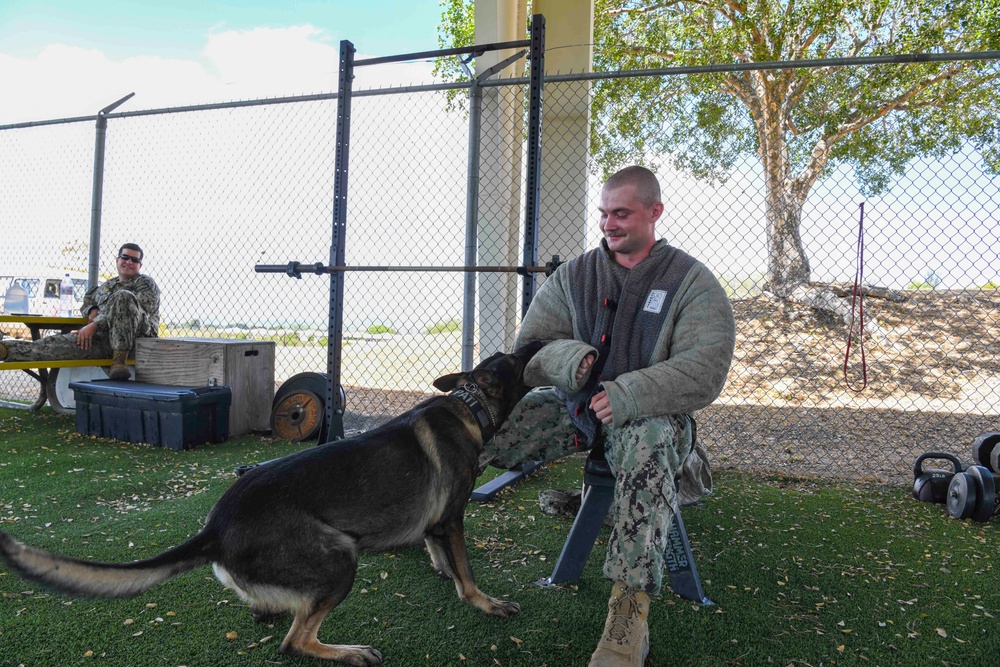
(983, 446)
(995, 458)
(961, 496)
(314, 382)
(985, 493)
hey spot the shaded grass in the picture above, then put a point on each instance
(803, 572)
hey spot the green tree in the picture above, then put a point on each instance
(798, 122)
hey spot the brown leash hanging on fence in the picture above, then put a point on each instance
(858, 298)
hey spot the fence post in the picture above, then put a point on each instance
(471, 226)
(97, 193)
(333, 422)
(536, 55)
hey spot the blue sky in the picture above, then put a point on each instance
(179, 27)
(61, 58)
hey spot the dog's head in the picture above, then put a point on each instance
(500, 377)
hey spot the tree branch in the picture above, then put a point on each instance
(899, 101)
(642, 10)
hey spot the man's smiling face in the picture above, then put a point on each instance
(628, 223)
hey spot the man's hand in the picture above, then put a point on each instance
(85, 336)
(585, 365)
(601, 406)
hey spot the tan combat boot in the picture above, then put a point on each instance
(118, 370)
(626, 634)
(3, 351)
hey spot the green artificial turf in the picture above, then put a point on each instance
(803, 572)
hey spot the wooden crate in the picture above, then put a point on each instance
(245, 366)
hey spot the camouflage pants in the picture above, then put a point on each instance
(644, 455)
(116, 331)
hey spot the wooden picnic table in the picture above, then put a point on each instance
(50, 388)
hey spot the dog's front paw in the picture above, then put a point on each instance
(501, 608)
(364, 656)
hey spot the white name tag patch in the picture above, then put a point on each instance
(655, 301)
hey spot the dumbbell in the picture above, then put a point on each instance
(931, 485)
(972, 494)
(986, 451)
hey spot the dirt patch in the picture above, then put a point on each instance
(939, 346)
(932, 384)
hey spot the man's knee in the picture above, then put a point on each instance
(122, 301)
(660, 443)
(538, 427)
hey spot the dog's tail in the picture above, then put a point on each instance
(91, 578)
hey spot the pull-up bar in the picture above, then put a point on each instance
(476, 50)
(295, 269)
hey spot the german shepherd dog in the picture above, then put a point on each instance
(286, 535)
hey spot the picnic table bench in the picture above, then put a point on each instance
(52, 388)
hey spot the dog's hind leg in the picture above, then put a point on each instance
(329, 572)
(451, 547)
(302, 636)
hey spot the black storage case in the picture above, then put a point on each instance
(157, 414)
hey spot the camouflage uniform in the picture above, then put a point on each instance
(663, 333)
(127, 310)
(644, 454)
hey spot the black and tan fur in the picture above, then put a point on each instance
(286, 535)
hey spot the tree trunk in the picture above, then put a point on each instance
(787, 264)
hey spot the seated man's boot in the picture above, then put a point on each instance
(119, 370)
(3, 351)
(626, 633)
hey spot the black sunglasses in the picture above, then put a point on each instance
(130, 258)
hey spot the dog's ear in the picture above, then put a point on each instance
(488, 382)
(448, 382)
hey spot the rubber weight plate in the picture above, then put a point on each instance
(298, 408)
(297, 416)
(985, 493)
(962, 496)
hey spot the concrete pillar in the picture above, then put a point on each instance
(569, 37)
(500, 175)
(569, 30)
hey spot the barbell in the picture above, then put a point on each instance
(296, 269)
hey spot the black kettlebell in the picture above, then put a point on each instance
(931, 485)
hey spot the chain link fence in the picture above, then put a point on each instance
(209, 192)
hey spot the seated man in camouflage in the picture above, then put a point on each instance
(120, 310)
(640, 336)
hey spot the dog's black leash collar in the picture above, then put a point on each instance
(472, 396)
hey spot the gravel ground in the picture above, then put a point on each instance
(933, 384)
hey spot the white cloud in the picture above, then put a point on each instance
(265, 62)
(67, 81)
